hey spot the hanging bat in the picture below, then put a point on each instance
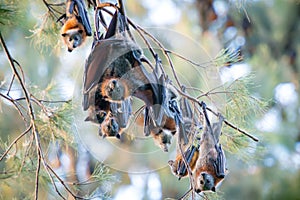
(76, 26)
(189, 129)
(111, 58)
(211, 164)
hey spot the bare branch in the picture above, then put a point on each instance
(15, 105)
(15, 141)
(37, 176)
(63, 183)
(235, 127)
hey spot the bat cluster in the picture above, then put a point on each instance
(115, 73)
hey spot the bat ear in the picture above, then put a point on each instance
(213, 189)
(87, 119)
(170, 162)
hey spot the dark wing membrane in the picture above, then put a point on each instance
(103, 54)
(220, 163)
(185, 107)
(147, 122)
(117, 25)
(188, 154)
(83, 15)
(122, 112)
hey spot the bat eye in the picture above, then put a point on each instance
(201, 182)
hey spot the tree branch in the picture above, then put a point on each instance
(15, 141)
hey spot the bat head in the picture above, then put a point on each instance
(114, 90)
(73, 33)
(162, 138)
(173, 165)
(96, 116)
(73, 38)
(205, 182)
(110, 127)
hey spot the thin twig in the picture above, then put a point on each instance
(54, 185)
(186, 194)
(186, 59)
(26, 154)
(15, 141)
(44, 101)
(37, 176)
(15, 105)
(235, 127)
(10, 85)
(63, 183)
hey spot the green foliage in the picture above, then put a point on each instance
(227, 57)
(242, 108)
(241, 105)
(45, 33)
(8, 13)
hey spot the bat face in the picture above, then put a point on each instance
(76, 39)
(76, 25)
(110, 127)
(96, 116)
(162, 139)
(114, 90)
(73, 38)
(205, 182)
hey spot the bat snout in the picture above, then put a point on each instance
(197, 190)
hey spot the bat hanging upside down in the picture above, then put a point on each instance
(211, 164)
(76, 25)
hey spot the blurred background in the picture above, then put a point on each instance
(265, 32)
